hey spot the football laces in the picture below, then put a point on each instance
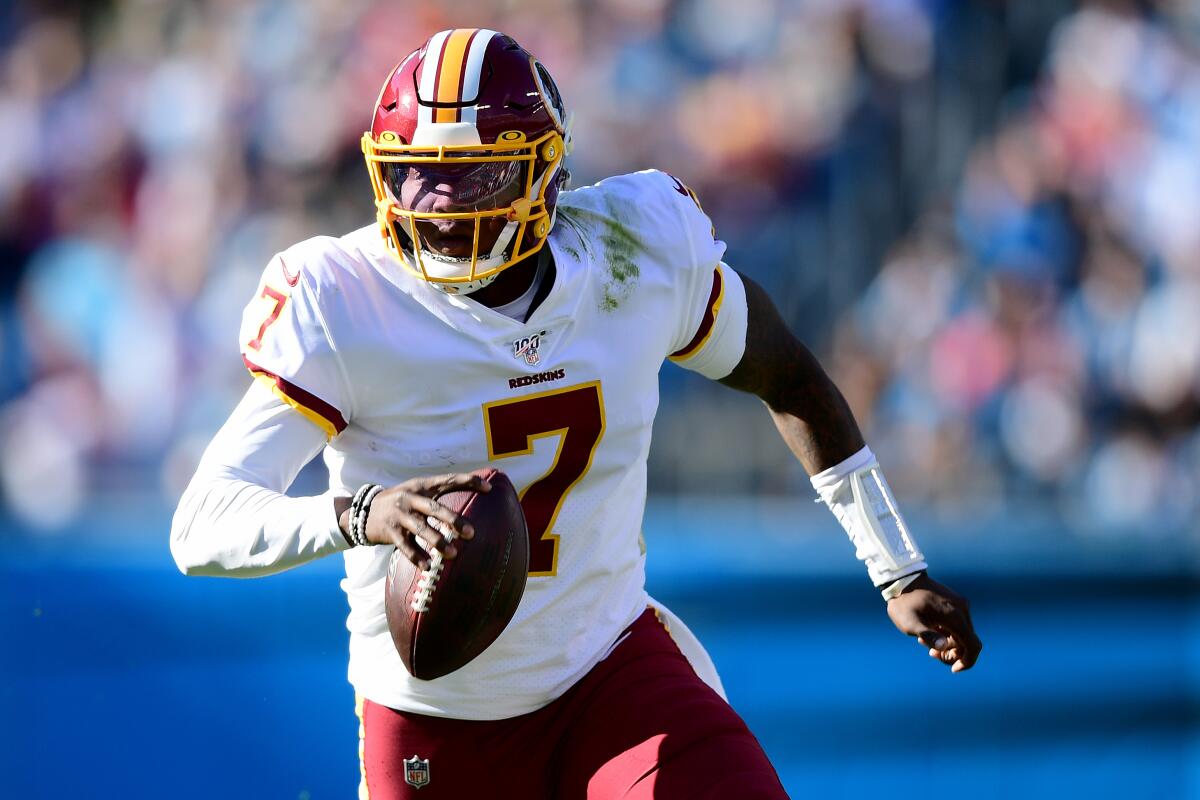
(429, 578)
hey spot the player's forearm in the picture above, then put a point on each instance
(234, 528)
(819, 430)
(808, 409)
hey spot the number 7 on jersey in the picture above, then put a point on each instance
(576, 415)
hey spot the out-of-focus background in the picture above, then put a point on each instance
(983, 215)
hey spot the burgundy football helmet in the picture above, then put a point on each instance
(468, 140)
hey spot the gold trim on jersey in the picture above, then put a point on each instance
(312, 416)
(658, 616)
(708, 323)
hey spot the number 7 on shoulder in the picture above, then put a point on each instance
(279, 299)
(576, 415)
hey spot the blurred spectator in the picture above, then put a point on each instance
(983, 214)
(1072, 352)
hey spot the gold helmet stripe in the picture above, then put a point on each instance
(450, 68)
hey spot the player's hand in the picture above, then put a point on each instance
(941, 619)
(409, 513)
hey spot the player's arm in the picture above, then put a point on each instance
(809, 410)
(816, 423)
(234, 519)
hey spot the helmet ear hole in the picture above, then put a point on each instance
(552, 149)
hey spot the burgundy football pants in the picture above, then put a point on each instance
(640, 725)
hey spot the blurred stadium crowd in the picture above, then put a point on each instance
(983, 215)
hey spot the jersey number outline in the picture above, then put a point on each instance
(280, 299)
(576, 415)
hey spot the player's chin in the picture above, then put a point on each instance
(458, 248)
(459, 244)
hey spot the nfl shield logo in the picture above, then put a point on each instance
(416, 771)
(527, 348)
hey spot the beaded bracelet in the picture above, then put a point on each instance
(360, 509)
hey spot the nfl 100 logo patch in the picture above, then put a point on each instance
(416, 771)
(527, 348)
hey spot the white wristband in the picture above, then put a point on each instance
(858, 495)
(896, 588)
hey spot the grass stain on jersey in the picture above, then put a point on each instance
(620, 251)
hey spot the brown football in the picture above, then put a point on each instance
(443, 617)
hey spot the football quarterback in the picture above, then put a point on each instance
(490, 315)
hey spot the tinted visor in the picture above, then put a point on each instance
(473, 186)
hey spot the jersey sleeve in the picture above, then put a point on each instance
(285, 344)
(233, 519)
(710, 334)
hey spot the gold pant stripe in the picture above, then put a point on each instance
(364, 793)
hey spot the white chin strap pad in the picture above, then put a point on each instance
(858, 495)
(438, 266)
(463, 288)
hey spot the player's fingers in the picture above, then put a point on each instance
(942, 646)
(971, 649)
(954, 621)
(945, 656)
(959, 651)
(934, 639)
(455, 482)
(428, 536)
(967, 642)
(429, 507)
(411, 551)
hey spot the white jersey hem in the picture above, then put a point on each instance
(375, 688)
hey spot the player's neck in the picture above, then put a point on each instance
(512, 282)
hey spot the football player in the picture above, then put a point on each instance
(491, 317)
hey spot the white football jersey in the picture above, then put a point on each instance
(409, 381)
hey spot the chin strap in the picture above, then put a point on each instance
(463, 288)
